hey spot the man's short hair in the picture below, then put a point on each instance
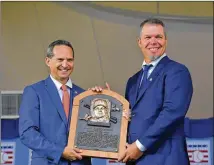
(55, 43)
(153, 21)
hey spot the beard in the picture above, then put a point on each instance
(153, 57)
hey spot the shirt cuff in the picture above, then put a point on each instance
(140, 146)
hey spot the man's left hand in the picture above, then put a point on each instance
(131, 153)
(99, 88)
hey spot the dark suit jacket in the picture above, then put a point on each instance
(158, 113)
(43, 126)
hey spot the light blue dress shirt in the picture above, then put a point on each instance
(154, 64)
(59, 85)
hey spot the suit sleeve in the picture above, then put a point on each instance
(29, 128)
(177, 97)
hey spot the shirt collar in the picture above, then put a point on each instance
(58, 84)
(155, 62)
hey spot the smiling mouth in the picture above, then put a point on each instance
(153, 49)
(64, 70)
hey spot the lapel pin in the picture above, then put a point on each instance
(75, 92)
(150, 79)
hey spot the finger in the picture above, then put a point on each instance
(73, 158)
(100, 88)
(77, 150)
(93, 88)
(126, 159)
(76, 153)
(89, 89)
(126, 115)
(121, 156)
(129, 114)
(107, 86)
(97, 89)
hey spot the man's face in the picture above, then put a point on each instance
(99, 111)
(152, 41)
(61, 64)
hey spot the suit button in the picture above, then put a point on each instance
(50, 159)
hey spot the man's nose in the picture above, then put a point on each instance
(64, 63)
(153, 41)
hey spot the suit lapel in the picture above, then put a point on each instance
(152, 77)
(73, 92)
(132, 88)
(53, 93)
(137, 83)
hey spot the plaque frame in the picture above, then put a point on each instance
(123, 127)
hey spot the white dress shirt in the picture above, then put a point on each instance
(154, 64)
(59, 85)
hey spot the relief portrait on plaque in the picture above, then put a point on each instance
(100, 110)
(100, 113)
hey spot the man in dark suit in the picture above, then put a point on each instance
(45, 111)
(159, 96)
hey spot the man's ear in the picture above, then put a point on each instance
(47, 61)
(139, 41)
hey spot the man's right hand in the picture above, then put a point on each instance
(71, 154)
(99, 88)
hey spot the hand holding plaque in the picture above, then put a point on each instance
(98, 126)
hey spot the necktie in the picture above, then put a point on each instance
(65, 100)
(145, 77)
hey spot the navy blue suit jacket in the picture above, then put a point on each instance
(158, 113)
(43, 126)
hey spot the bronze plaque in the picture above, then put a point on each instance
(98, 126)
